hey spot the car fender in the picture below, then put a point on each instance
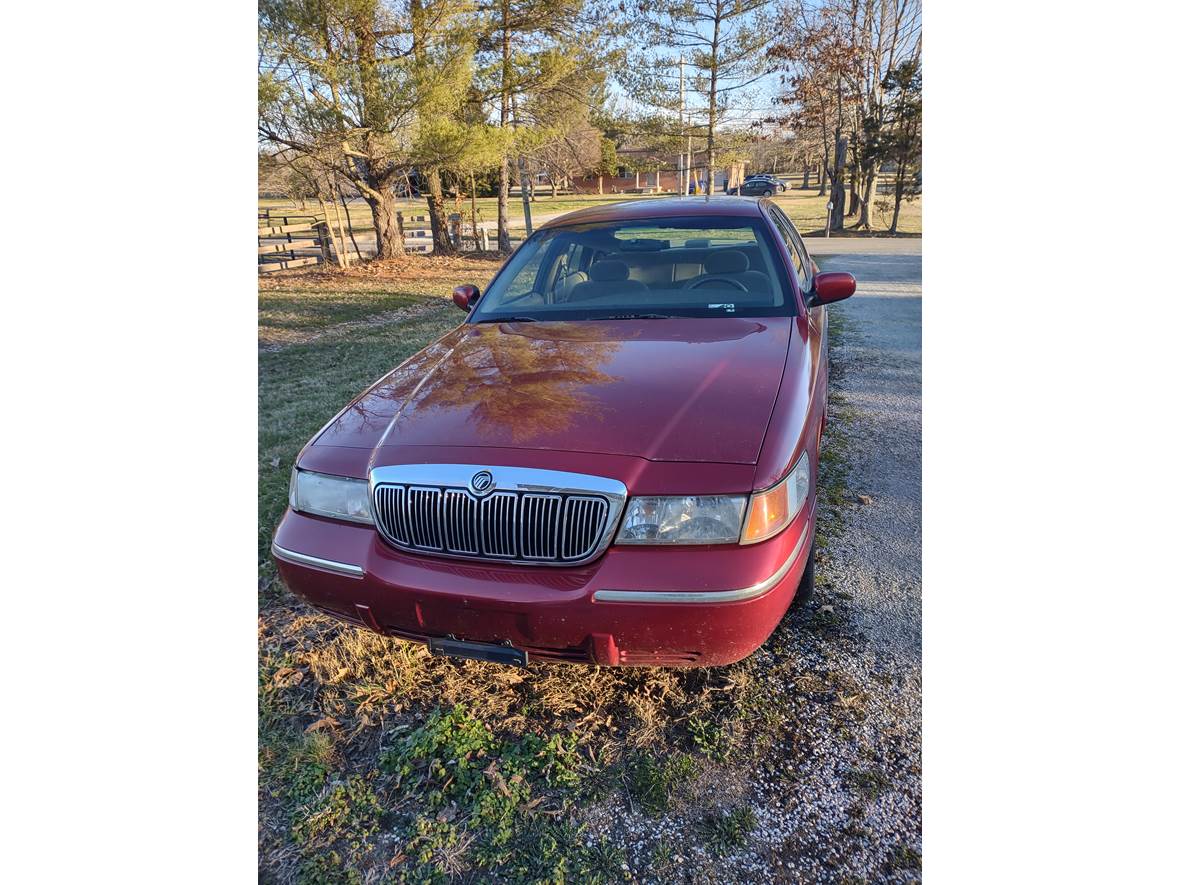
(795, 420)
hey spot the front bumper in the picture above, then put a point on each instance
(640, 606)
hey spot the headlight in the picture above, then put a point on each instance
(334, 496)
(771, 511)
(692, 519)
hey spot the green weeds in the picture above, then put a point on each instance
(653, 779)
(725, 831)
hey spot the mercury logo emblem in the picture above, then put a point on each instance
(481, 483)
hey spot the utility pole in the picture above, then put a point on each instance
(524, 195)
(682, 167)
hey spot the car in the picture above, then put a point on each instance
(612, 460)
(758, 186)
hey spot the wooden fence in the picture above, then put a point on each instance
(417, 236)
(290, 240)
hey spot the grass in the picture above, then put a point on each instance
(808, 210)
(653, 780)
(868, 782)
(902, 857)
(380, 762)
(725, 831)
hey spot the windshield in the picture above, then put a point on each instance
(655, 267)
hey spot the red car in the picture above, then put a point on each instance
(612, 461)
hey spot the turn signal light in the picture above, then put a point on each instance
(771, 511)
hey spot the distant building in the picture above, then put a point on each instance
(644, 172)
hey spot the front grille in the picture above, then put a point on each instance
(563, 529)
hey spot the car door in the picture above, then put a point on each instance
(817, 318)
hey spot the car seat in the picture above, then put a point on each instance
(732, 264)
(607, 278)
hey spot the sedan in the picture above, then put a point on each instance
(758, 186)
(611, 461)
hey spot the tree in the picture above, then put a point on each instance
(835, 57)
(903, 93)
(608, 160)
(563, 143)
(816, 54)
(527, 46)
(721, 42)
(345, 83)
(440, 140)
(888, 32)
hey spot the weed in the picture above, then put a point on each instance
(454, 758)
(661, 857)
(723, 831)
(305, 769)
(902, 857)
(653, 779)
(440, 849)
(347, 815)
(327, 868)
(870, 784)
(710, 737)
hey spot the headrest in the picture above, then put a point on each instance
(701, 243)
(726, 261)
(609, 271)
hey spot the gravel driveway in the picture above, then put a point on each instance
(840, 798)
(879, 557)
(877, 561)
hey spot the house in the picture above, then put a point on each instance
(647, 172)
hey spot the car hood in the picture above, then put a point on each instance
(665, 390)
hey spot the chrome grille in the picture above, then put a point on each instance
(511, 525)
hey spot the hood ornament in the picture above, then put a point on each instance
(482, 483)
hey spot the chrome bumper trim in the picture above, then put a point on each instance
(704, 596)
(327, 565)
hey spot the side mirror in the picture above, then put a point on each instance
(831, 287)
(465, 296)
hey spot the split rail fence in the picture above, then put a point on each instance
(288, 238)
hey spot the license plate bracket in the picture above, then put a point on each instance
(479, 651)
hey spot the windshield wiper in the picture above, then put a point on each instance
(507, 320)
(637, 316)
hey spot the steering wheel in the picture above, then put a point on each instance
(696, 284)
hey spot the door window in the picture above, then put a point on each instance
(799, 258)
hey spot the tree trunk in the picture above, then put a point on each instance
(389, 238)
(837, 198)
(348, 215)
(600, 185)
(502, 242)
(898, 184)
(823, 174)
(867, 198)
(711, 149)
(438, 221)
(806, 176)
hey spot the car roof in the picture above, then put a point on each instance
(662, 207)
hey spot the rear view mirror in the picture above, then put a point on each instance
(465, 296)
(831, 287)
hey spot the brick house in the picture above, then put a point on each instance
(638, 176)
